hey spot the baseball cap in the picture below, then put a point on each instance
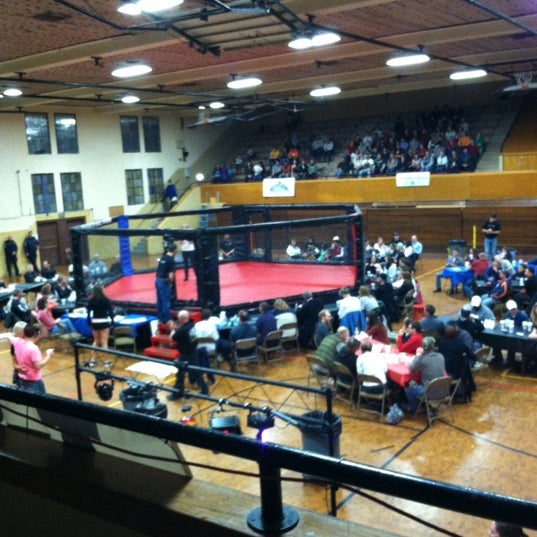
(511, 305)
(335, 238)
(476, 301)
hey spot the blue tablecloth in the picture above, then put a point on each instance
(134, 320)
(457, 274)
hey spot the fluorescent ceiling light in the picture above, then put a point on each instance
(216, 104)
(153, 6)
(467, 74)
(130, 9)
(202, 107)
(131, 69)
(244, 82)
(130, 99)
(316, 39)
(408, 59)
(321, 39)
(325, 91)
(12, 92)
(300, 43)
(200, 177)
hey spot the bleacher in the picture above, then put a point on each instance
(493, 123)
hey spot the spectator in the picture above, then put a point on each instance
(369, 363)
(293, 251)
(227, 248)
(307, 315)
(431, 323)
(48, 272)
(97, 268)
(170, 196)
(331, 345)
(375, 329)
(454, 260)
(266, 322)
(430, 364)
(323, 327)
(409, 338)
(367, 301)
(284, 315)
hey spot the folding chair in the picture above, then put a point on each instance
(438, 394)
(378, 398)
(346, 383)
(290, 334)
(272, 346)
(245, 351)
(484, 356)
(319, 371)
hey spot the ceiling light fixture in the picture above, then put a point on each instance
(130, 8)
(243, 82)
(216, 105)
(403, 60)
(12, 92)
(130, 99)
(154, 6)
(309, 39)
(467, 74)
(325, 91)
(130, 69)
(201, 107)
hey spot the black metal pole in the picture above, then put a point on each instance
(77, 373)
(272, 517)
(331, 450)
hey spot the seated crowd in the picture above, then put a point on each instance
(438, 142)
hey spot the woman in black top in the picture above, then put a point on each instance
(100, 317)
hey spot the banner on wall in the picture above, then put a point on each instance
(412, 179)
(281, 187)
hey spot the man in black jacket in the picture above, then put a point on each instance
(10, 252)
(307, 315)
(184, 336)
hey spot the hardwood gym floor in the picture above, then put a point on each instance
(489, 446)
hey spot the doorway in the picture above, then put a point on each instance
(54, 240)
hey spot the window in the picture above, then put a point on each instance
(44, 193)
(72, 191)
(151, 126)
(130, 137)
(66, 135)
(37, 134)
(156, 184)
(135, 187)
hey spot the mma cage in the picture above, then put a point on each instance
(130, 247)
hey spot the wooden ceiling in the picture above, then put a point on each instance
(61, 52)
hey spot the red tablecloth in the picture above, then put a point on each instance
(401, 374)
(397, 363)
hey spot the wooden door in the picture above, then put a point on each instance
(54, 243)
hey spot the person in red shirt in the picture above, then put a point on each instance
(409, 338)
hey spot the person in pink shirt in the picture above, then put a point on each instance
(30, 360)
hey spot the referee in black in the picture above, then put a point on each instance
(164, 281)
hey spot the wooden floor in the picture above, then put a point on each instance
(490, 446)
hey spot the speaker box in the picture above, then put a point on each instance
(229, 424)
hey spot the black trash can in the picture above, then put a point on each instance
(457, 244)
(316, 432)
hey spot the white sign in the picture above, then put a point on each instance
(413, 179)
(282, 187)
